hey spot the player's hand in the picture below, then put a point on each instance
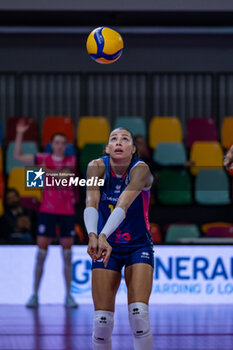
(22, 126)
(92, 246)
(104, 249)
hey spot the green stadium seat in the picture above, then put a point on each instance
(136, 125)
(170, 154)
(212, 187)
(174, 187)
(89, 152)
(28, 147)
(175, 232)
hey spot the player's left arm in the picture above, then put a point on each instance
(140, 179)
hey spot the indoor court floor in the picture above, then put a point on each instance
(174, 327)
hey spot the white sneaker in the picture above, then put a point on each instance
(70, 302)
(33, 301)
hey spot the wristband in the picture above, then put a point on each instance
(114, 220)
(91, 217)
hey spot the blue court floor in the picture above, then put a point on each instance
(174, 328)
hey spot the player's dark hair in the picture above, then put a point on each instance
(138, 136)
(58, 134)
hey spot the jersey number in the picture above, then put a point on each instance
(111, 207)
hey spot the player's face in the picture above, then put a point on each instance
(58, 146)
(120, 144)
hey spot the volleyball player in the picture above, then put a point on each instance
(116, 219)
(57, 209)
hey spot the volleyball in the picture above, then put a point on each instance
(105, 45)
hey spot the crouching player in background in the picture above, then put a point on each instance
(116, 219)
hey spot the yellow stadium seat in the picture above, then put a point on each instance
(92, 130)
(164, 129)
(17, 180)
(206, 155)
(1, 207)
(226, 132)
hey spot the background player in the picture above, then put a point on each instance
(118, 212)
(57, 208)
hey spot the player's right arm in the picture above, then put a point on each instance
(21, 128)
(96, 168)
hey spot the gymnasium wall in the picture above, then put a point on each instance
(101, 5)
(116, 94)
(183, 75)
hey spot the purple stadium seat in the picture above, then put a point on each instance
(30, 135)
(220, 231)
(30, 203)
(200, 129)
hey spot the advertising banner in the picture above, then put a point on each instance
(182, 275)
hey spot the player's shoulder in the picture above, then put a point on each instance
(137, 162)
(97, 166)
(96, 162)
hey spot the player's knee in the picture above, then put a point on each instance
(139, 319)
(41, 256)
(103, 326)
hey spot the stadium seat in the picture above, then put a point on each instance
(206, 155)
(56, 124)
(92, 130)
(27, 148)
(1, 136)
(175, 232)
(205, 227)
(226, 132)
(155, 233)
(220, 231)
(89, 152)
(1, 159)
(1, 207)
(174, 187)
(70, 150)
(180, 223)
(1, 185)
(164, 129)
(30, 203)
(136, 125)
(201, 129)
(212, 187)
(30, 135)
(17, 180)
(82, 238)
(169, 154)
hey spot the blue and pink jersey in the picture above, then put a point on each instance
(133, 232)
(56, 200)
